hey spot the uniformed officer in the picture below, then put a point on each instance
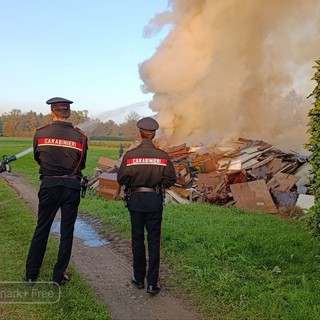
(60, 149)
(121, 150)
(146, 171)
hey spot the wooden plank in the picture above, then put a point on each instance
(261, 173)
(181, 191)
(183, 175)
(250, 150)
(264, 146)
(174, 149)
(199, 158)
(94, 185)
(237, 177)
(106, 163)
(246, 156)
(107, 193)
(108, 180)
(176, 198)
(250, 164)
(274, 165)
(210, 180)
(243, 140)
(287, 166)
(178, 153)
(235, 165)
(228, 151)
(208, 165)
(286, 181)
(262, 162)
(253, 196)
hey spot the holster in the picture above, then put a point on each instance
(84, 186)
(127, 195)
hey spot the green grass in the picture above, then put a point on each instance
(246, 265)
(232, 264)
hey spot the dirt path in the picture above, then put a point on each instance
(108, 270)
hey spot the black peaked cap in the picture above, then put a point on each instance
(148, 124)
(58, 100)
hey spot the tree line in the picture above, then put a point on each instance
(16, 123)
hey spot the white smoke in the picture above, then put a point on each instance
(226, 69)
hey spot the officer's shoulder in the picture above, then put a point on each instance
(42, 127)
(80, 131)
(133, 147)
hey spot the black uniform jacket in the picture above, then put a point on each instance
(146, 166)
(61, 151)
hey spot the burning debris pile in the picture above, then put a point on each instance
(252, 174)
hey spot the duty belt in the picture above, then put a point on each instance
(142, 189)
(76, 177)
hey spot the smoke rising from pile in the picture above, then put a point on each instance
(234, 68)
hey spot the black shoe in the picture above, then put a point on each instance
(137, 284)
(65, 278)
(153, 289)
(28, 282)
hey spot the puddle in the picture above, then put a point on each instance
(83, 231)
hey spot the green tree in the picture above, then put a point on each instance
(313, 146)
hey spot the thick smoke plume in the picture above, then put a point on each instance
(234, 68)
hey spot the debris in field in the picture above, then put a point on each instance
(305, 201)
(283, 181)
(108, 185)
(285, 199)
(108, 164)
(253, 196)
(252, 174)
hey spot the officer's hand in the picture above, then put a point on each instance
(4, 167)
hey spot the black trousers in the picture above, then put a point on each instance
(50, 201)
(152, 222)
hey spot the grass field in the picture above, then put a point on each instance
(232, 264)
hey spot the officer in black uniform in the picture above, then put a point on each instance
(121, 150)
(60, 149)
(146, 171)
